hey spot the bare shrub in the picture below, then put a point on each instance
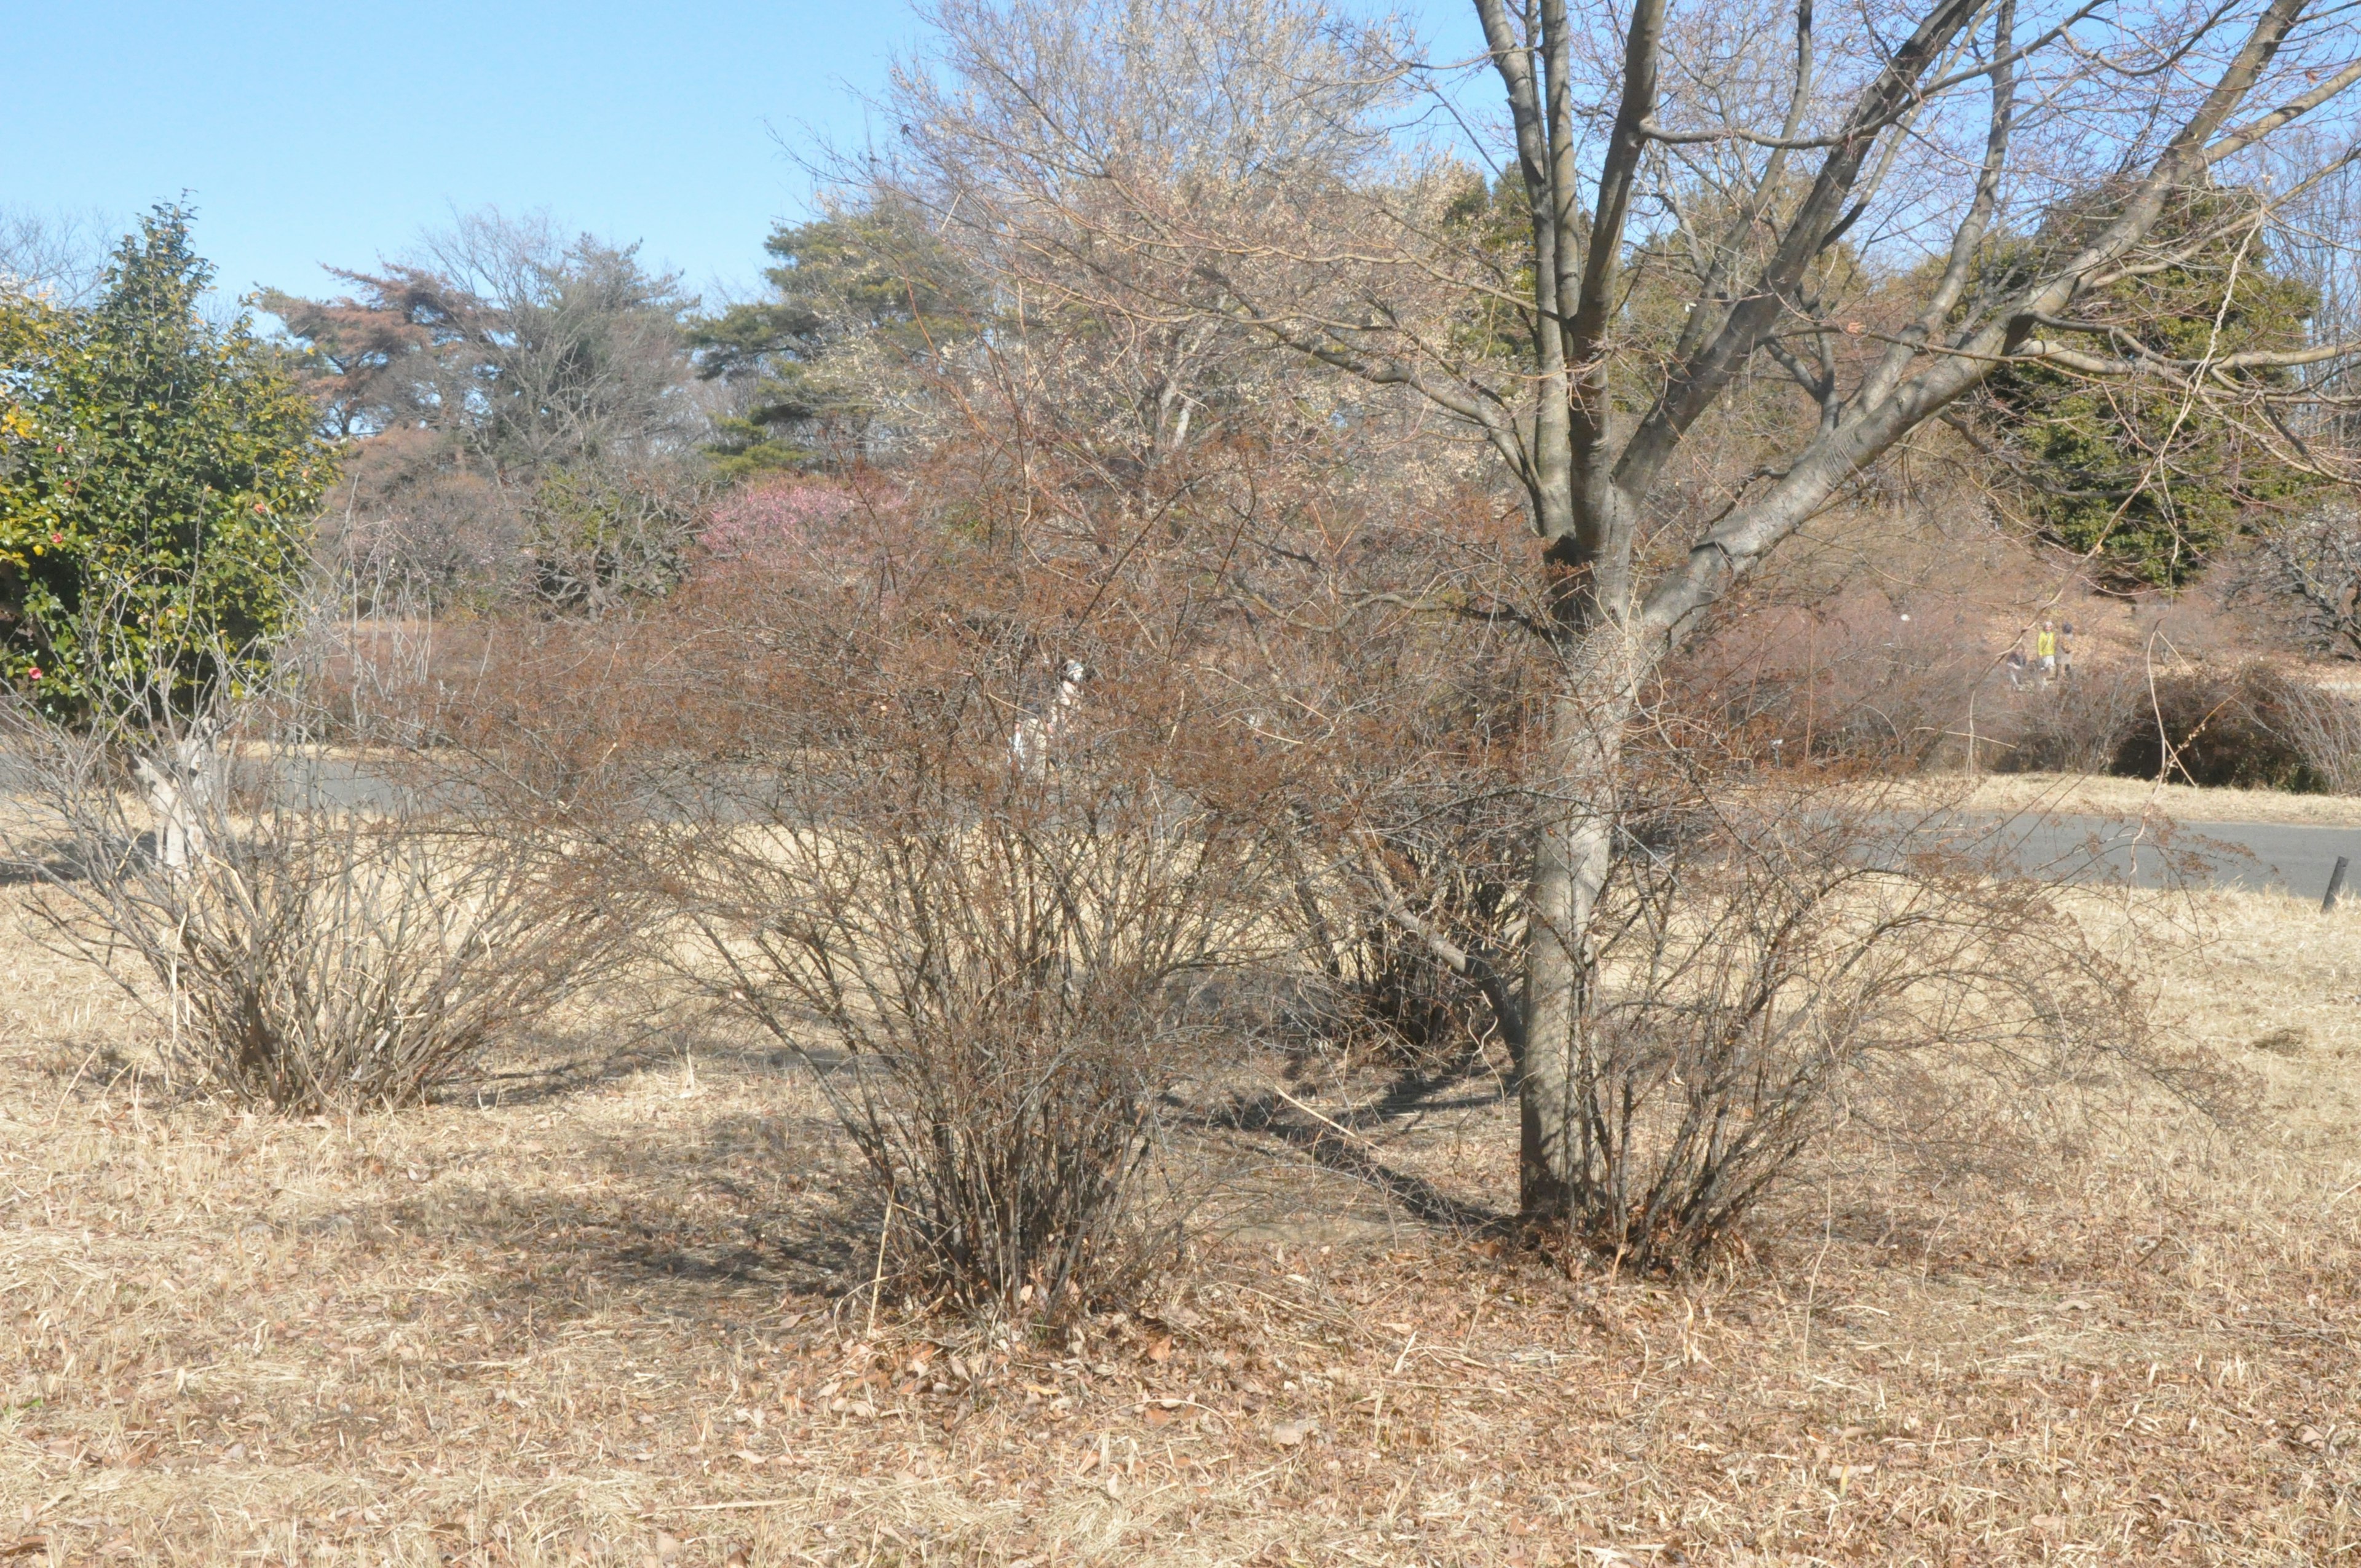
(316, 930)
(2218, 725)
(1848, 681)
(1789, 962)
(2077, 726)
(2323, 725)
(986, 958)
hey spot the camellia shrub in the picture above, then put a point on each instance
(159, 475)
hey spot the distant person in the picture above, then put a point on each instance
(2066, 650)
(2013, 667)
(2045, 651)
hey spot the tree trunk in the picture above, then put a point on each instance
(1573, 847)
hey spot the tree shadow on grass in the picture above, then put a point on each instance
(1336, 1148)
(721, 1215)
(722, 1226)
(550, 1065)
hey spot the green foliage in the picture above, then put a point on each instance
(2133, 472)
(158, 478)
(857, 298)
(596, 536)
(1493, 222)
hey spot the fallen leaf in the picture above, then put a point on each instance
(1287, 1434)
(667, 1546)
(1161, 1348)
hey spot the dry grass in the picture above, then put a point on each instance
(609, 1314)
(2100, 795)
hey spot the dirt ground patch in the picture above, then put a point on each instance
(614, 1312)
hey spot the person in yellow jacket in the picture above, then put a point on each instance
(2045, 651)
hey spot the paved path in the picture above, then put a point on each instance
(2294, 857)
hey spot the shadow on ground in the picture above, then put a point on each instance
(1340, 1148)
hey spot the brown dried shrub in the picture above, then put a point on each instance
(977, 899)
(2219, 725)
(316, 930)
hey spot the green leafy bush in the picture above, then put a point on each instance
(158, 478)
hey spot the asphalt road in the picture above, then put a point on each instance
(2296, 858)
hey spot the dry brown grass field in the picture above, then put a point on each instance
(2100, 795)
(615, 1311)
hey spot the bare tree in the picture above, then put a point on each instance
(2308, 572)
(61, 253)
(1698, 207)
(2324, 726)
(522, 407)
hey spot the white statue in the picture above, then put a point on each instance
(1036, 732)
(182, 786)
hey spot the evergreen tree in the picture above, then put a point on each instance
(2137, 473)
(159, 476)
(857, 299)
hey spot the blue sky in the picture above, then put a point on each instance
(311, 134)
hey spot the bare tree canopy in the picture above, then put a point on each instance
(61, 254)
(518, 401)
(1690, 272)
